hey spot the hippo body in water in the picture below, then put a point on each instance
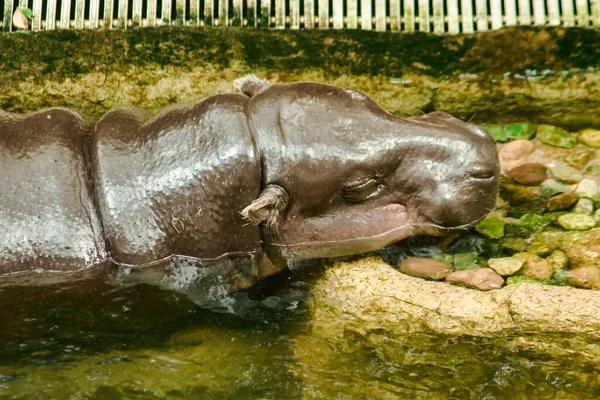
(225, 191)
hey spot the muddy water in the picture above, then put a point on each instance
(141, 343)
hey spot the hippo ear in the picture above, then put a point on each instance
(251, 85)
(267, 207)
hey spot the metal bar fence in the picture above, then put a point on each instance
(438, 16)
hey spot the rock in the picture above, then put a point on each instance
(530, 174)
(515, 243)
(558, 259)
(535, 206)
(555, 136)
(496, 132)
(550, 188)
(519, 194)
(466, 261)
(590, 137)
(564, 173)
(576, 222)
(535, 266)
(506, 266)
(514, 153)
(561, 201)
(519, 131)
(587, 188)
(579, 157)
(597, 217)
(491, 227)
(481, 278)
(424, 268)
(581, 247)
(587, 277)
(593, 169)
(584, 206)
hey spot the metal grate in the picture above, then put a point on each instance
(439, 16)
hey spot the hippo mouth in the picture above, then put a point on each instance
(392, 223)
(393, 228)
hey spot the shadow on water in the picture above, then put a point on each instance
(143, 343)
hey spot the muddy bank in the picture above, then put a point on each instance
(546, 75)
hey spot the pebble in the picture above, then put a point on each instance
(584, 206)
(514, 153)
(530, 174)
(587, 188)
(561, 201)
(505, 266)
(587, 277)
(590, 137)
(424, 268)
(576, 222)
(535, 266)
(551, 187)
(481, 278)
(555, 136)
(564, 173)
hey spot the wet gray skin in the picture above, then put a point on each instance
(228, 190)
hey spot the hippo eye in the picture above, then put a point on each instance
(360, 190)
(482, 173)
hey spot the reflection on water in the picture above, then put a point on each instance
(142, 343)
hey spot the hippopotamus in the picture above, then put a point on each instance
(225, 191)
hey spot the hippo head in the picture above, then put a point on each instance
(341, 176)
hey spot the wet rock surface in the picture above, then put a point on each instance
(479, 278)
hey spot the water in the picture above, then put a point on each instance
(142, 343)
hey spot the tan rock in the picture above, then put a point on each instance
(561, 201)
(368, 295)
(424, 268)
(480, 278)
(587, 277)
(535, 266)
(514, 153)
(506, 266)
(530, 174)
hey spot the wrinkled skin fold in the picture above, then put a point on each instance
(227, 190)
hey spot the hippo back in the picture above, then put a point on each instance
(47, 210)
(174, 184)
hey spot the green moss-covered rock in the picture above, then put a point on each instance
(496, 132)
(491, 227)
(519, 131)
(590, 137)
(526, 225)
(558, 259)
(555, 136)
(515, 243)
(576, 222)
(466, 261)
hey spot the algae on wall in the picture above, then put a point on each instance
(537, 74)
